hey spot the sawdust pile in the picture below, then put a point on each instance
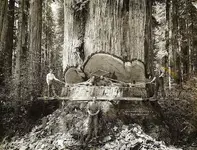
(67, 127)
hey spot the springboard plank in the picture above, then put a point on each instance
(89, 98)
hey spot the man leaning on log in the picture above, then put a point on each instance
(93, 110)
(159, 80)
(50, 78)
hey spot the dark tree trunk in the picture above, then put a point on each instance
(3, 35)
(3, 13)
(169, 38)
(148, 40)
(148, 47)
(9, 40)
(176, 42)
(35, 48)
(21, 52)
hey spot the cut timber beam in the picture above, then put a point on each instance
(98, 98)
(53, 98)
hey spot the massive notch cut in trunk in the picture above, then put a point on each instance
(123, 71)
(132, 71)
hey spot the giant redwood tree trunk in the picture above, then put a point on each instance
(35, 47)
(116, 27)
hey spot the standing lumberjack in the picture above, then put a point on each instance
(159, 79)
(93, 111)
(50, 82)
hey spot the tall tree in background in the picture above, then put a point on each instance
(35, 48)
(59, 38)
(176, 42)
(3, 32)
(47, 36)
(169, 38)
(9, 39)
(3, 14)
(148, 57)
(6, 42)
(21, 51)
(194, 35)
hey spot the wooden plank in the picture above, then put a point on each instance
(109, 99)
(98, 98)
(53, 98)
(129, 98)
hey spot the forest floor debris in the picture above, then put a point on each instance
(66, 128)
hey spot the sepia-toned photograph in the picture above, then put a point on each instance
(98, 74)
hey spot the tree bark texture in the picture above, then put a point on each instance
(9, 40)
(149, 55)
(3, 13)
(21, 51)
(159, 14)
(176, 41)
(169, 37)
(4, 26)
(35, 47)
(3, 35)
(116, 27)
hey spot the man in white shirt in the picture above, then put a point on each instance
(50, 81)
(159, 80)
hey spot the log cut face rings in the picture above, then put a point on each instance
(124, 71)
